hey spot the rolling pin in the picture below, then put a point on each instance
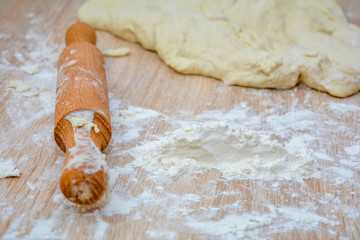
(82, 89)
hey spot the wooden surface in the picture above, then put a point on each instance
(141, 79)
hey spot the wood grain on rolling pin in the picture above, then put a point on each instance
(81, 85)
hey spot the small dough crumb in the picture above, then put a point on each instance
(83, 119)
(31, 69)
(8, 169)
(19, 86)
(31, 93)
(117, 52)
(25, 89)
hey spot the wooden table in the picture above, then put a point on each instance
(32, 207)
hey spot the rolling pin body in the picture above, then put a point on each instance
(82, 86)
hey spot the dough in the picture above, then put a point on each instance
(117, 52)
(19, 86)
(31, 69)
(8, 169)
(85, 154)
(25, 89)
(83, 119)
(263, 43)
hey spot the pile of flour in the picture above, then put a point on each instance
(236, 154)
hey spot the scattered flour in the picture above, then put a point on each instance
(100, 229)
(6, 212)
(14, 230)
(45, 229)
(342, 107)
(353, 150)
(249, 225)
(302, 216)
(161, 234)
(118, 205)
(132, 119)
(233, 226)
(191, 198)
(323, 156)
(235, 153)
(342, 175)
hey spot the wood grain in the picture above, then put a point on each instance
(142, 79)
(82, 85)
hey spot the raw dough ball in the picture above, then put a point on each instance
(265, 43)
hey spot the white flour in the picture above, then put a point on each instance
(233, 226)
(235, 153)
(134, 119)
(118, 205)
(353, 150)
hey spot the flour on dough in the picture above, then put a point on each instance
(263, 44)
(117, 52)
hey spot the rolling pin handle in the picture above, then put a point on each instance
(78, 32)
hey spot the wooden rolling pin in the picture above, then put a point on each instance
(82, 87)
